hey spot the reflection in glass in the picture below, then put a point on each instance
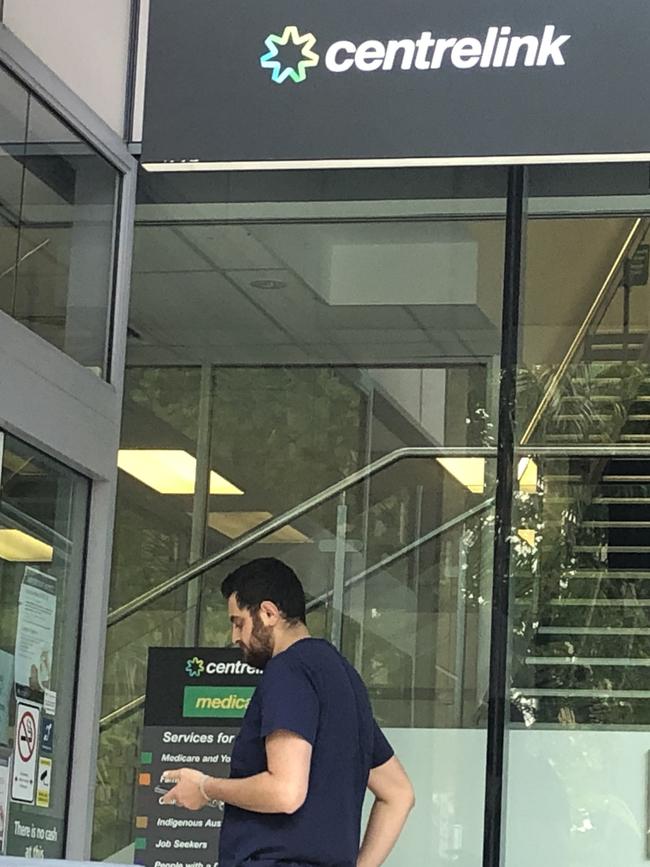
(580, 559)
(283, 346)
(43, 512)
(57, 222)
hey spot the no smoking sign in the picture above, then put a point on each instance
(28, 718)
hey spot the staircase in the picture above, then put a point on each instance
(581, 612)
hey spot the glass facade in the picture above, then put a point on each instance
(287, 332)
(580, 694)
(290, 353)
(43, 520)
(58, 207)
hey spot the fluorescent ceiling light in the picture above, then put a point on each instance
(527, 475)
(528, 536)
(19, 547)
(235, 524)
(470, 472)
(169, 471)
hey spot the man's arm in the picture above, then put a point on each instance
(282, 788)
(394, 799)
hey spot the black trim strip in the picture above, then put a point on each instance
(131, 70)
(499, 642)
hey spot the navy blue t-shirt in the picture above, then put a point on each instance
(311, 690)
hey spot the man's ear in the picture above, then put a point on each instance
(270, 613)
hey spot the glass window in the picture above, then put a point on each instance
(13, 131)
(580, 559)
(287, 330)
(57, 228)
(43, 515)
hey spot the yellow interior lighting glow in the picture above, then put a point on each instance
(470, 472)
(169, 471)
(19, 547)
(528, 536)
(527, 475)
(235, 524)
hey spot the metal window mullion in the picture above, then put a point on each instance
(499, 638)
(200, 504)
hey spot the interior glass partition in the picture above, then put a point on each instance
(285, 333)
(579, 567)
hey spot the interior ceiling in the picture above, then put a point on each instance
(265, 293)
(258, 294)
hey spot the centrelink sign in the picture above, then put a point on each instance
(300, 83)
(499, 48)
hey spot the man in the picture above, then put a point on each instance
(308, 745)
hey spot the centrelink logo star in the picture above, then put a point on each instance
(309, 57)
(195, 667)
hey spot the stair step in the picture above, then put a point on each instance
(630, 575)
(588, 660)
(600, 398)
(608, 478)
(576, 437)
(631, 525)
(612, 549)
(616, 500)
(600, 380)
(594, 630)
(635, 438)
(605, 337)
(580, 693)
(576, 417)
(612, 353)
(601, 603)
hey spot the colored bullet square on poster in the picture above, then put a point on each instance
(140, 843)
(144, 779)
(141, 822)
(146, 758)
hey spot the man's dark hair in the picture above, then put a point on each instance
(267, 580)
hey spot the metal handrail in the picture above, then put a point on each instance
(130, 707)
(406, 549)
(536, 451)
(582, 332)
(259, 533)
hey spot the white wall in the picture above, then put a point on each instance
(575, 799)
(85, 42)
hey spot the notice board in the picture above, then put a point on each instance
(194, 704)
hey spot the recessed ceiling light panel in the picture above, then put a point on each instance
(169, 471)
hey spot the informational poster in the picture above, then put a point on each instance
(6, 693)
(47, 736)
(25, 757)
(35, 634)
(44, 782)
(5, 784)
(195, 700)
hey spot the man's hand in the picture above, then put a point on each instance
(187, 791)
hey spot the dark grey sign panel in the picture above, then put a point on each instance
(295, 81)
(195, 701)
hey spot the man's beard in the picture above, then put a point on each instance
(260, 649)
